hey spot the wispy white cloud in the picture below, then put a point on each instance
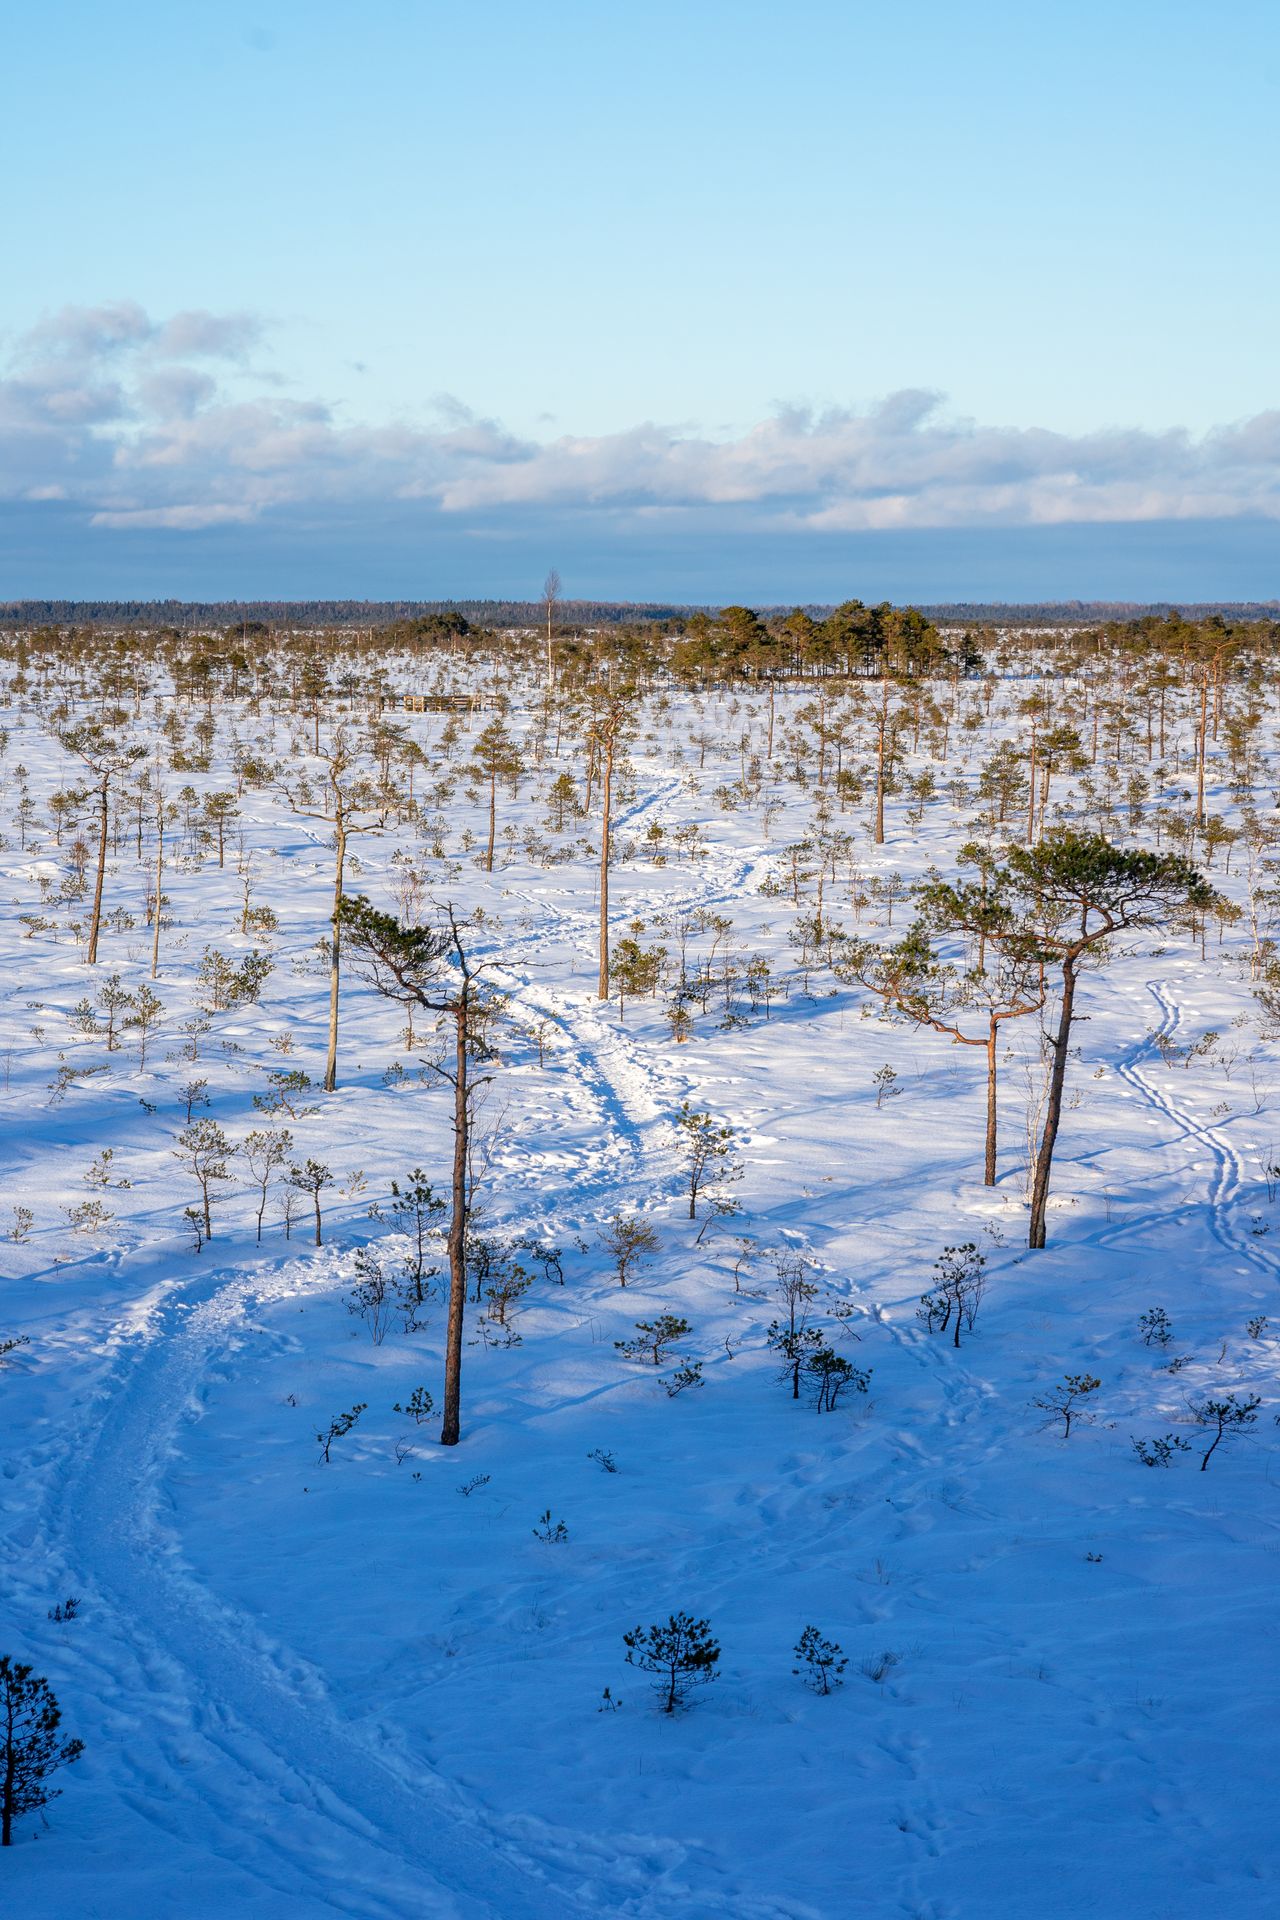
(165, 424)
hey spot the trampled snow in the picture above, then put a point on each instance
(369, 1687)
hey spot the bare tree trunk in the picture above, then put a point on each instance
(602, 984)
(155, 925)
(450, 1432)
(1031, 789)
(95, 918)
(989, 1176)
(335, 956)
(884, 720)
(1053, 1108)
(1204, 718)
(493, 821)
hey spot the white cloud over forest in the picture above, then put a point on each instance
(171, 423)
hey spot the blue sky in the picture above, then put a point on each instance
(688, 301)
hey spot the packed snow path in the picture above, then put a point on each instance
(353, 1690)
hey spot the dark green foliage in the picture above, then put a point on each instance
(420, 1407)
(680, 1655)
(1063, 1402)
(1226, 1414)
(829, 1374)
(415, 1208)
(822, 1662)
(957, 1290)
(30, 1746)
(653, 1337)
(1156, 1327)
(1160, 1452)
(338, 1427)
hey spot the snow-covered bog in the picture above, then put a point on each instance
(322, 1664)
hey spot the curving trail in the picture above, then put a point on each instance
(243, 1754)
(1227, 1176)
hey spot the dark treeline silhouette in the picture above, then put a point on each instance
(193, 616)
(427, 654)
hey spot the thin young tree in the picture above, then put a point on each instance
(352, 806)
(31, 1744)
(1082, 896)
(496, 757)
(551, 588)
(605, 735)
(312, 1177)
(266, 1150)
(914, 982)
(430, 967)
(680, 1655)
(204, 1150)
(106, 758)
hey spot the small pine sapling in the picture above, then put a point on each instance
(1156, 1327)
(420, 1406)
(553, 1532)
(653, 1337)
(31, 1747)
(340, 1425)
(371, 1297)
(822, 1662)
(1226, 1416)
(630, 1244)
(1160, 1452)
(311, 1178)
(956, 1294)
(708, 1153)
(1063, 1402)
(415, 1209)
(681, 1655)
(829, 1374)
(791, 1337)
(204, 1150)
(683, 1378)
(884, 1079)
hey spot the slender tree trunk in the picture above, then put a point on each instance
(493, 821)
(1053, 1108)
(602, 984)
(1200, 746)
(1031, 789)
(989, 1176)
(95, 918)
(884, 721)
(155, 925)
(450, 1432)
(335, 956)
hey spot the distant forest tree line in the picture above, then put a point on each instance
(700, 649)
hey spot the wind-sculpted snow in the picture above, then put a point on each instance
(367, 1687)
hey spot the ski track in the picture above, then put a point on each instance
(241, 1720)
(1227, 1175)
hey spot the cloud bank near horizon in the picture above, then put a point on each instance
(175, 425)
